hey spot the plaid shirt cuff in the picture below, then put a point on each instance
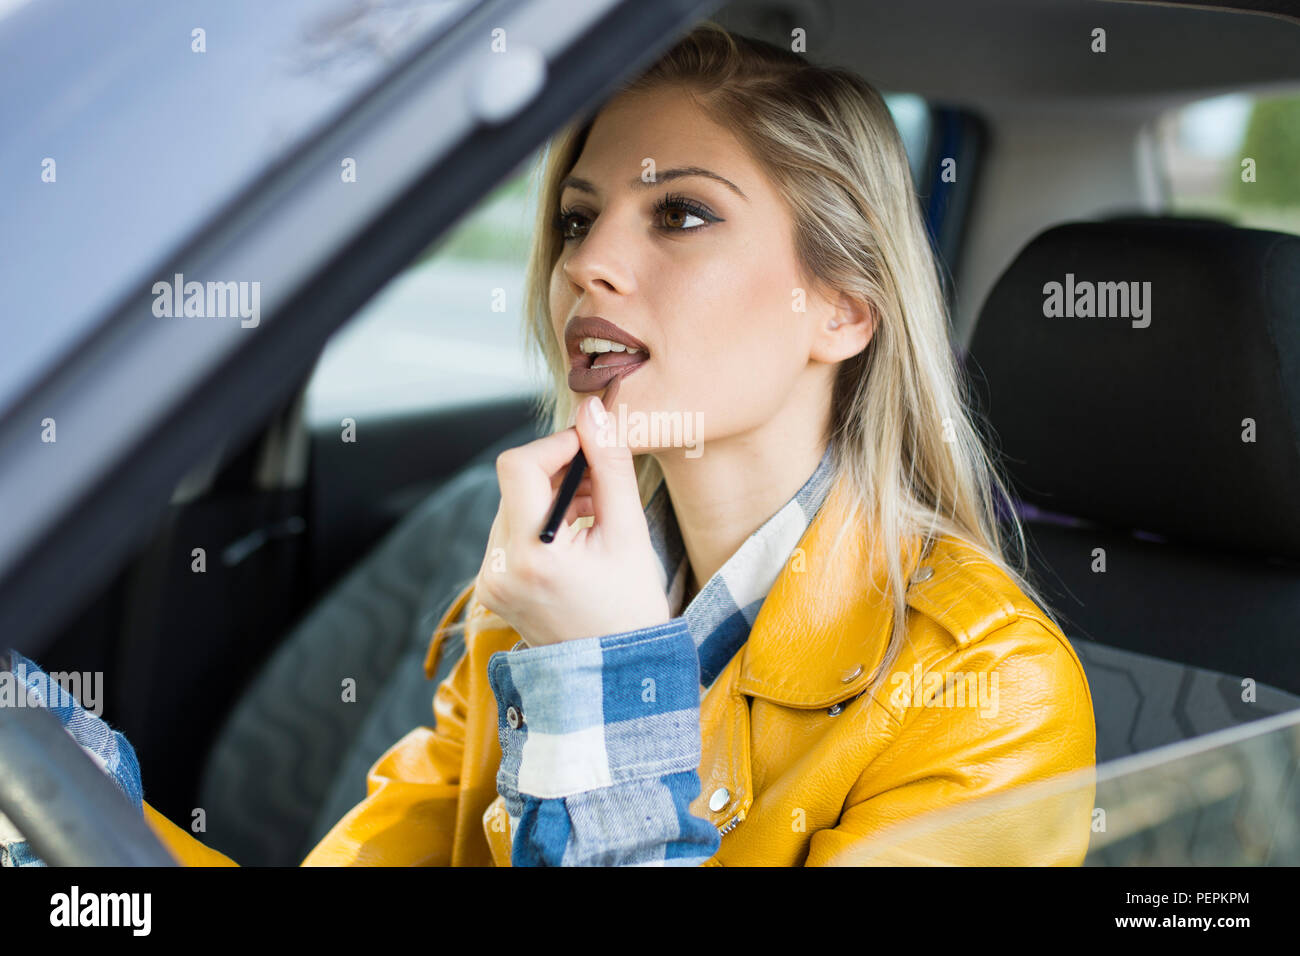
(109, 748)
(600, 742)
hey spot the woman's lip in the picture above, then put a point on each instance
(594, 326)
(584, 379)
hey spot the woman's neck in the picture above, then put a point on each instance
(722, 497)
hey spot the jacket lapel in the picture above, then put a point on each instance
(825, 624)
(726, 787)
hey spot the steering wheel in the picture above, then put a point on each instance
(70, 811)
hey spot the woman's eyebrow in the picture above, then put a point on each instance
(586, 186)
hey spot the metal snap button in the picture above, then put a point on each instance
(513, 717)
(850, 677)
(923, 574)
(721, 797)
(834, 709)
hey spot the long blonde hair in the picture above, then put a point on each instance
(900, 429)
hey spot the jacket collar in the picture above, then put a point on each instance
(825, 624)
(721, 615)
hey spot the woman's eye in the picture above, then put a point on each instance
(683, 215)
(676, 215)
(568, 220)
(677, 218)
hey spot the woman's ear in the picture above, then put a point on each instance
(845, 332)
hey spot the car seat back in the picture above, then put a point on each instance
(1140, 378)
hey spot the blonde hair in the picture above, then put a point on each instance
(899, 426)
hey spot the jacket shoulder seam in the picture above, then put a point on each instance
(1060, 641)
(971, 574)
(944, 662)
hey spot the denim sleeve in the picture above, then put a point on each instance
(106, 746)
(600, 744)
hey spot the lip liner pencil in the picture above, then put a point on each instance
(572, 478)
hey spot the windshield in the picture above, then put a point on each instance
(133, 123)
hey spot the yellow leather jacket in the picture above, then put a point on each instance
(800, 767)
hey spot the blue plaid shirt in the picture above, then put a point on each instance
(600, 737)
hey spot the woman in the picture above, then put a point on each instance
(734, 241)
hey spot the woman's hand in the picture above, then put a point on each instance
(602, 580)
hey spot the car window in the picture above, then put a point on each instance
(110, 163)
(449, 329)
(912, 117)
(1235, 157)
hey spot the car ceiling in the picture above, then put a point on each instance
(989, 51)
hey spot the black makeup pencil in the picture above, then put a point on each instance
(572, 478)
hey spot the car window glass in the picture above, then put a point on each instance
(128, 126)
(1234, 157)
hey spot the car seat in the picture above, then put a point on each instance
(1163, 449)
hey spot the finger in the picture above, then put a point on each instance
(496, 539)
(584, 486)
(488, 569)
(525, 474)
(498, 530)
(575, 532)
(614, 494)
(581, 507)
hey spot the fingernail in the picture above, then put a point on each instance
(597, 410)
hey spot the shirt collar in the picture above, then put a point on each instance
(721, 614)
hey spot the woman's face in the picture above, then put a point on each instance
(701, 273)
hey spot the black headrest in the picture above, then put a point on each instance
(1144, 374)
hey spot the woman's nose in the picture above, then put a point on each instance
(604, 258)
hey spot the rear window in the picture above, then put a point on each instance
(1234, 157)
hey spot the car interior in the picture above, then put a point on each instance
(1124, 445)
